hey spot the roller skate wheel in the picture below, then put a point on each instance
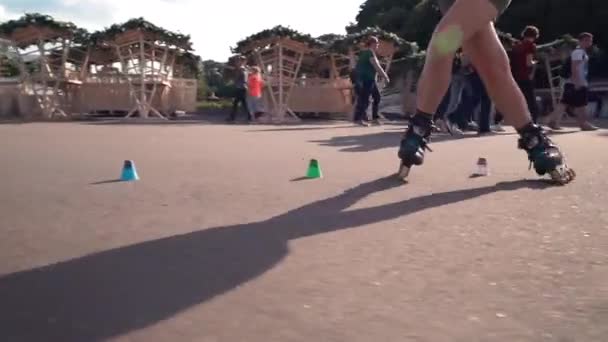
(563, 175)
(404, 171)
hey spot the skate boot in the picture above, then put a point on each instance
(544, 155)
(414, 143)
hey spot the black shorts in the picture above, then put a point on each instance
(575, 97)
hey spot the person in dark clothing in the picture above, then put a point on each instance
(240, 95)
(366, 71)
(448, 113)
(523, 67)
(481, 99)
(353, 79)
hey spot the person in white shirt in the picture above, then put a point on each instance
(576, 89)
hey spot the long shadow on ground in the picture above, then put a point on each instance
(111, 293)
(374, 141)
(389, 138)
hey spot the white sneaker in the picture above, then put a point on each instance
(498, 128)
(453, 128)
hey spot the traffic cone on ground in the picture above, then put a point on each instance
(314, 170)
(482, 168)
(129, 172)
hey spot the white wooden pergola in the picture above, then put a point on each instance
(146, 65)
(56, 65)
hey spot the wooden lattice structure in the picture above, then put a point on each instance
(10, 59)
(321, 87)
(52, 66)
(280, 59)
(325, 87)
(145, 67)
(552, 63)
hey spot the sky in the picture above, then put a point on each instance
(214, 25)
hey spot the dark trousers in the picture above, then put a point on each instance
(353, 80)
(240, 97)
(443, 106)
(482, 99)
(527, 88)
(365, 89)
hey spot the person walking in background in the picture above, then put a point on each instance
(523, 67)
(447, 113)
(240, 95)
(576, 89)
(482, 101)
(366, 71)
(255, 86)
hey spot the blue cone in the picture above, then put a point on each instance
(129, 173)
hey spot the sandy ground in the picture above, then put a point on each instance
(222, 240)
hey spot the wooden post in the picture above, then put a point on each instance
(281, 99)
(288, 97)
(268, 82)
(550, 79)
(143, 110)
(334, 69)
(84, 72)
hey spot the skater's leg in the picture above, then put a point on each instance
(462, 21)
(490, 59)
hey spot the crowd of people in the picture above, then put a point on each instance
(466, 105)
(249, 86)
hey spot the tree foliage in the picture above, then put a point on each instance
(414, 20)
(277, 31)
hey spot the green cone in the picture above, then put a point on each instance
(314, 170)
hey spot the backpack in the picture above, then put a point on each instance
(566, 70)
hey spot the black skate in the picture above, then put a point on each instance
(545, 156)
(414, 143)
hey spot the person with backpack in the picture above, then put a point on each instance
(523, 67)
(240, 94)
(576, 89)
(366, 71)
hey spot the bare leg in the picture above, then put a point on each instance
(555, 118)
(582, 117)
(459, 24)
(481, 43)
(490, 59)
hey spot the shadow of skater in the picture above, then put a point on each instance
(373, 142)
(114, 292)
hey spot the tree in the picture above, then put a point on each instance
(415, 20)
